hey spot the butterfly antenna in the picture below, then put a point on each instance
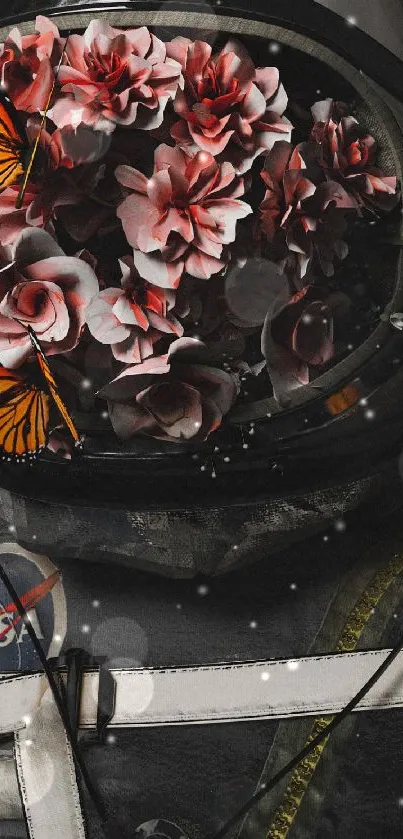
(27, 174)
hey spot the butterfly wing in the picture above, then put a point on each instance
(53, 388)
(13, 144)
(24, 417)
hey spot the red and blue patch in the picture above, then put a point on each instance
(39, 586)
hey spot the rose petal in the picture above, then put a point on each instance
(202, 265)
(138, 218)
(35, 244)
(286, 371)
(128, 420)
(102, 322)
(175, 406)
(267, 79)
(155, 270)
(254, 104)
(251, 289)
(34, 97)
(131, 178)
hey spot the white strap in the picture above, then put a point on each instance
(46, 776)
(10, 802)
(222, 693)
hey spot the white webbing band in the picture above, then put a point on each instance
(46, 775)
(223, 692)
(175, 696)
(10, 801)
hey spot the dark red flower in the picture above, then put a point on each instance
(349, 156)
(301, 218)
(297, 334)
(177, 396)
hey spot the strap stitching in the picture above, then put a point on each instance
(144, 671)
(238, 666)
(74, 788)
(22, 783)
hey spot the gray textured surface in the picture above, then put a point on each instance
(184, 542)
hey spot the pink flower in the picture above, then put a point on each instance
(60, 180)
(183, 217)
(132, 318)
(68, 147)
(13, 221)
(172, 397)
(302, 219)
(113, 76)
(49, 291)
(297, 334)
(284, 174)
(227, 104)
(349, 156)
(27, 62)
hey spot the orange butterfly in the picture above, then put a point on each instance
(25, 410)
(14, 147)
(16, 156)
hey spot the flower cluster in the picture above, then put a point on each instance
(312, 190)
(169, 218)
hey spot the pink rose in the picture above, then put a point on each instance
(110, 76)
(226, 104)
(134, 317)
(49, 291)
(349, 156)
(183, 217)
(172, 397)
(27, 63)
(297, 333)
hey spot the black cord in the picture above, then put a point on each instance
(334, 723)
(110, 828)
